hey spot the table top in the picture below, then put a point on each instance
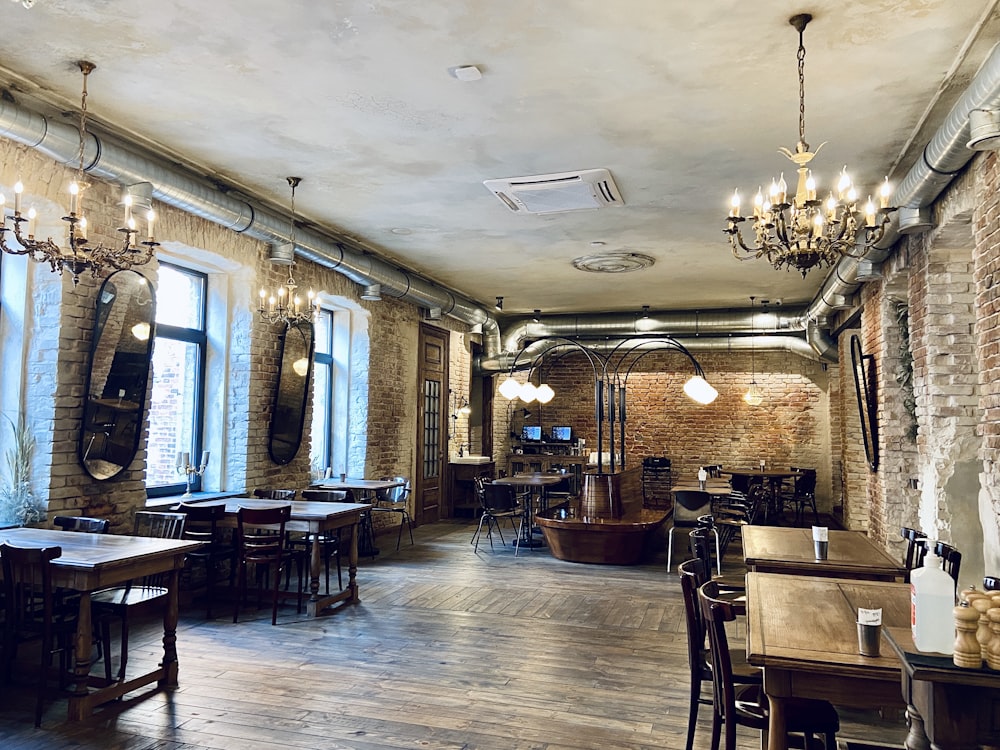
(367, 485)
(809, 623)
(302, 510)
(95, 550)
(715, 490)
(777, 549)
(532, 480)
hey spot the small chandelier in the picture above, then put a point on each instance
(284, 305)
(802, 231)
(754, 396)
(80, 255)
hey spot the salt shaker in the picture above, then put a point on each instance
(966, 652)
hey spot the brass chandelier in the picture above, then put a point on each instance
(80, 255)
(803, 231)
(284, 305)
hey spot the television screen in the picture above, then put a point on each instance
(563, 434)
(531, 433)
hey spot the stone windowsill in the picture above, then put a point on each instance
(196, 497)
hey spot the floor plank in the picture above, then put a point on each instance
(448, 649)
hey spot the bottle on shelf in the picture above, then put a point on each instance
(932, 600)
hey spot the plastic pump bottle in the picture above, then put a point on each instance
(932, 597)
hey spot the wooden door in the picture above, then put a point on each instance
(432, 433)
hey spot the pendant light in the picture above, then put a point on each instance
(754, 396)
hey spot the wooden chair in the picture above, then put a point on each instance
(330, 545)
(499, 501)
(83, 524)
(951, 559)
(260, 542)
(746, 705)
(804, 495)
(202, 525)
(393, 500)
(113, 604)
(265, 494)
(689, 506)
(991, 583)
(692, 575)
(701, 548)
(912, 555)
(31, 613)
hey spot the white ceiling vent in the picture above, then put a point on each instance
(554, 193)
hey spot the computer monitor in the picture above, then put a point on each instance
(562, 434)
(531, 433)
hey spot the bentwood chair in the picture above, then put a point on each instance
(114, 604)
(202, 525)
(804, 495)
(393, 500)
(912, 555)
(689, 506)
(746, 705)
(701, 548)
(31, 613)
(991, 583)
(692, 575)
(83, 524)
(261, 544)
(951, 559)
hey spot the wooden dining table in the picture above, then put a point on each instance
(96, 561)
(314, 518)
(850, 554)
(802, 632)
(363, 490)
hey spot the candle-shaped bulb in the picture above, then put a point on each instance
(271, 301)
(18, 189)
(758, 202)
(884, 193)
(81, 228)
(74, 197)
(817, 226)
(782, 189)
(844, 184)
(32, 213)
(296, 302)
(831, 207)
(150, 220)
(310, 294)
(870, 212)
(810, 186)
(852, 195)
(204, 460)
(734, 211)
(281, 291)
(772, 191)
(180, 460)
(128, 207)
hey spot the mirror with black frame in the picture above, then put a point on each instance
(291, 394)
(118, 374)
(863, 366)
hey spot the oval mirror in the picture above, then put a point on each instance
(864, 386)
(291, 393)
(118, 374)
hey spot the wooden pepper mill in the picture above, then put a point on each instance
(967, 652)
(984, 634)
(993, 654)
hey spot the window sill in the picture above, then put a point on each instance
(196, 497)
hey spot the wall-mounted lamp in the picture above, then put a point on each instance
(372, 292)
(537, 316)
(434, 313)
(499, 304)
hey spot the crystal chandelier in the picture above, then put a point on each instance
(803, 231)
(284, 305)
(754, 396)
(80, 255)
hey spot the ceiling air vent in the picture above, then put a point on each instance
(555, 193)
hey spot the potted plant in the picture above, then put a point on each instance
(18, 505)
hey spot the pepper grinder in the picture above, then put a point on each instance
(993, 654)
(967, 652)
(982, 605)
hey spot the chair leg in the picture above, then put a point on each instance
(517, 539)
(106, 647)
(479, 529)
(209, 585)
(693, 711)
(670, 547)
(124, 656)
(718, 554)
(274, 593)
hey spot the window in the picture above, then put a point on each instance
(328, 448)
(178, 389)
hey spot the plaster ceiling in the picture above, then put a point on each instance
(681, 101)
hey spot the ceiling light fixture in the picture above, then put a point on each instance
(754, 396)
(284, 305)
(802, 231)
(80, 255)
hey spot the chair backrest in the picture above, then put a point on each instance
(27, 585)
(951, 558)
(287, 495)
(83, 524)
(689, 505)
(394, 495)
(160, 525)
(328, 496)
(261, 532)
(701, 547)
(991, 583)
(692, 576)
(914, 553)
(499, 498)
(714, 470)
(716, 612)
(805, 483)
(202, 524)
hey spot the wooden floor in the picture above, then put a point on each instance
(447, 649)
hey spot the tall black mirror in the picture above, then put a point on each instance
(864, 385)
(118, 374)
(291, 393)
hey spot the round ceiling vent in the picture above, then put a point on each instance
(613, 262)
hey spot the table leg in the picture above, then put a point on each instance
(916, 738)
(170, 615)
(314, 567)
(777, 735)
(352, 566)
(82, 644)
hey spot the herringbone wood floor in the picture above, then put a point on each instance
(448, 649)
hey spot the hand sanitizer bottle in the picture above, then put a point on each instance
(932, 598)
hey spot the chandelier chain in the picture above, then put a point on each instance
(801, 57)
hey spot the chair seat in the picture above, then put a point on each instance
(804, 715)
(127, 596)
(743, 671)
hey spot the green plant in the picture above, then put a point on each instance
(17, 502)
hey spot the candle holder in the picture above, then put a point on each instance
(185, 467)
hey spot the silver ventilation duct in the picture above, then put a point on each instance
(109, 160)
